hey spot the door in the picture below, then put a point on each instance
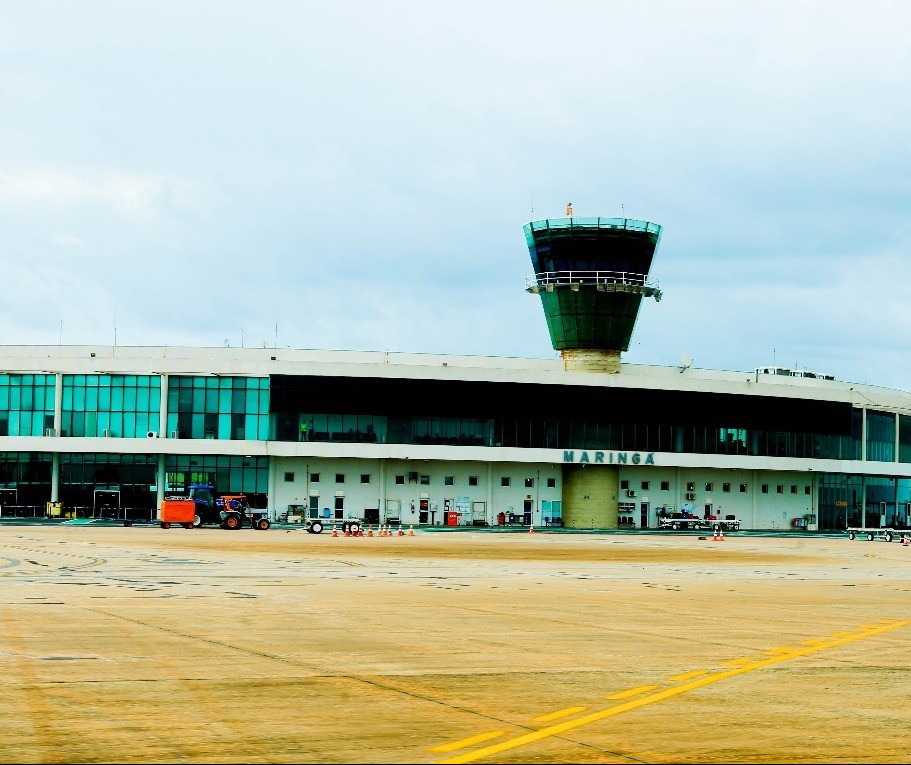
(643, 515)
(9, 497)
(107, 503)
(424, 510)
(527, 506)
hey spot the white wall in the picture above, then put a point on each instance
(358, 496)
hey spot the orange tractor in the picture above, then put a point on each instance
(231, 511)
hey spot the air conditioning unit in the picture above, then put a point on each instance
(51, 432)
(691, 496)
(175, 434)
(152, 434)
(630, 492)
(413, 476)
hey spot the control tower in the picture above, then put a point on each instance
(591, 275)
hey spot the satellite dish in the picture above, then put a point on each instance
(687, 362)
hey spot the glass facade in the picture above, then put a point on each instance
(119, 482)
(864, 501)
(228, 474)
(880, 436)
(226, 408)
(25, 480)
(124, 406)
(26, 404)
(904, 438)
(561, 434)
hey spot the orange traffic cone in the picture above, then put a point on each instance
(904, 540)
(410, 531)
(347, 531)
(715, 535)
(721, 535)
(360, 531)
(531, 528)
(382, 531)
(334, 530)
(370, 531)
(401, 533)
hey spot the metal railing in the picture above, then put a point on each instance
(550, 279)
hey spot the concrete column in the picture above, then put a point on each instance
(897, 418)
(382, 472)
(163, 409)
(491, 513)
(863, 433)
(58, 402)
(55, 477)
(160, 484)
(754, 498)
(270, 499)
(863, 489)
(58, 423)
(590, 496)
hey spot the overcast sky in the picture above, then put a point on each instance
(358, 173)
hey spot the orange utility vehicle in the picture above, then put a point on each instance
(177, 510)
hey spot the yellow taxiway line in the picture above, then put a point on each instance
(563, 727)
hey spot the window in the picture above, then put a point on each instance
(289, 477)
(691, 486)
(709, 486)
(399, 480)
(472, 480)
(340, 478)
(645, 486)
(529, 483)
(793, 488)
(425, 480)
(806, 490)
(779, 489)
(665, 486)
(765, 488)
(726, 487)
(314, 477)
(504, 481)
(551, 483)
(339, 503)
(743, 488)
(448, 480)
(365, 477)
(624, 485)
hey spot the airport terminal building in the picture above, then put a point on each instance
(583, 440)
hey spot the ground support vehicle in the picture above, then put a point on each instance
(351, 526)
(681, 521)
(887, 534)
(234, 511)
(723, 524)
(175, 510)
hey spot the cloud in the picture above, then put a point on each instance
(130, 194)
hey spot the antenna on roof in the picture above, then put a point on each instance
(687, 362)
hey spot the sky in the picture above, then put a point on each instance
(356, 175)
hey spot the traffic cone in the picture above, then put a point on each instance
(904, 540)
(382, 531)
(715, 535)
(401, 533)
(334, 530)
(410, 531)
(721, 535)
(347, 532)
(360, 531)
(370, 531)
(531, 528)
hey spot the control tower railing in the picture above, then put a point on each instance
(603, 281)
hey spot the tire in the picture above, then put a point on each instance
(717, 527)
(851, 535)
(165, 525)
(675, 526)
(232, 521)
(316, 527)
(187, 525)
(354, 528)
(263, 524)
(871, 536)
(888, 536)
(197, 521)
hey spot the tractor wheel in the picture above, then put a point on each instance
(165, 525)
(187, 525)
(232, 522)
(197, 521)
(263, 524)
